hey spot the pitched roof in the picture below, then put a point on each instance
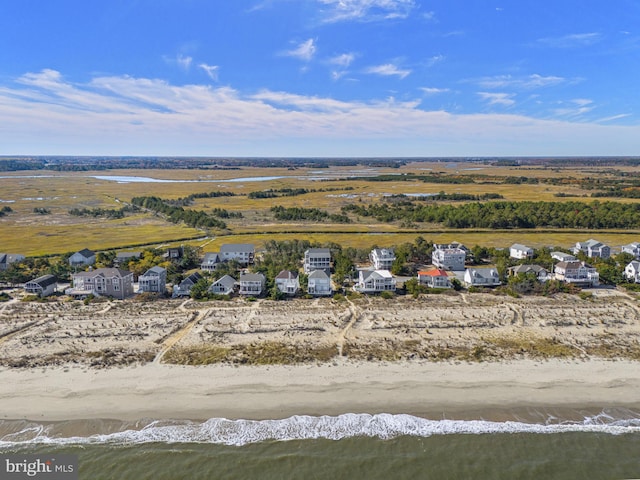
(252, 277)
(318, 275)
(483, 272)
(86, 253)
(227, 281)
(44, 281)
(211, 257)
(527, 268)
(433, 273)
(519, 246)
(237, 247)
(104, 272)
(154, 271)
(287, 275)
(318, 251)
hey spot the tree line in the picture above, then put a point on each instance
(503, 215)
(311, 214)
(192, 218)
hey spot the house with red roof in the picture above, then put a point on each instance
(437, 278)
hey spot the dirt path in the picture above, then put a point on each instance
(180, 334)
(355, 313)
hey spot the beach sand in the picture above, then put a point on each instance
(453, 355)
(434, 390)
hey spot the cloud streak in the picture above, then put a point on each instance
(365, 10)
(304, 51)
(43, 113)
(388, 70)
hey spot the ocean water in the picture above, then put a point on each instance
(605, 445)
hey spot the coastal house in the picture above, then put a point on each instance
(124, 257)
(375, 281)
(437, 278)
(183, 289)
(109, 282)
(174, 253)
(481, 277)
(252, 283)
(210, 262)
(223, 286)
(632, 271)
(520, 252)
(241, 252)
(42, 286)
(592, 249)
(541, 273)
(83, 258)
(449, 257)
(576, 272)
(288, 282)
(632, 248)
(317, 259)
(563, 257)
(153, 280)
(319, 283)
(382, 258)
(7, 259)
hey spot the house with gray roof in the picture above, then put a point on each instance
(210, 262)
(382, 258)
(241, 252)
(224, 285)
(520, 252)
(563, 257)
(7, 259)
(592, 249)
(449, 257)
(632, 248)
(153, 280)
(319, 283)
(183, 289)
(252, 284)
(42, 286)
(83, 258)
(317, 259)
(288, 282)
(105, 282)
(541, 273)
(375, 281)
(481, 277)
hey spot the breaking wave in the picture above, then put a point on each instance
(302, 427)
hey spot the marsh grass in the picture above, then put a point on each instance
(32, 234)
(257, 353)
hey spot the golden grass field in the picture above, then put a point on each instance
(24, 231)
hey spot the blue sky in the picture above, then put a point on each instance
(320, 77)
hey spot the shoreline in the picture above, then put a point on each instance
(496, 390)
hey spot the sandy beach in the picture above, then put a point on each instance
(437, 356)
(420, 388)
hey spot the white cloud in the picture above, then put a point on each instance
(524, 82)
(571, 41)
(435, 59)
(505, 99)
(433, 90)
(574, 108)
(210, 70)
(43, 113)
(613, 117)
(181, 61)
(304, 51)
(388, 69)
(366, 10)
(343, 60)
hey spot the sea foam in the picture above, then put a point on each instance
(302, 427)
